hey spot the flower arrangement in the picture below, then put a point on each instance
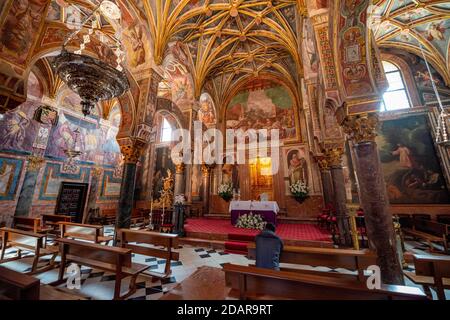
(226, 191)
(299, 190)
(179, 200)
(251, 221)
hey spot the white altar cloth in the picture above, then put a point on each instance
(254, 206)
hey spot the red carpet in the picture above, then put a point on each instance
(286, 231)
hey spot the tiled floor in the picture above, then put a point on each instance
(99, 285)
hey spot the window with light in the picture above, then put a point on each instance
(396, 96)
(166, 131)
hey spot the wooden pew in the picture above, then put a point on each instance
(89, 232)
(139, 215)
(431, 271)
(354, 260)
(106, 258)
(257, 283)
(429, 231)
(18, 286)
(51, 220)
(27, 241)
(30, 224)
(131, 239)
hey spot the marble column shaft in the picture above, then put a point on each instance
(327, 185)
(180, 183)
(378, 218)
(92, 197)
(123, 219)
(374, 200)
(340, 200)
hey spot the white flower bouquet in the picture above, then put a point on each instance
(179, 200)
(251, 221)
(299, 190)
(226, 191)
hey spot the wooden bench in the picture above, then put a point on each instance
(18, 286)
(30, 224)
(131, 239)
(257, 283)
(353, 260)
(80, 231)
(30, 242)
(431, 271)
(443, 218)
(51, 220)
(139, 216)
(106, 258)
(429, 231)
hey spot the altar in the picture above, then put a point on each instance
(267, 209)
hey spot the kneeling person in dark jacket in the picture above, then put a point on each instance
(268, 248)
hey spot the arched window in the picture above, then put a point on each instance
(396, 96)
(166, 131)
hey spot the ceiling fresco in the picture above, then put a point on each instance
(229, 41)
(410, 24)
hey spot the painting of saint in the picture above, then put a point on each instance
(206, 111)
(297, 167)
(13, 130)
(411, 168)
(163, 164)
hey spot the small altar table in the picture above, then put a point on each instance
(267, 209)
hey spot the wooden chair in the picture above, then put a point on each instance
(257, 283)
(353, 260)
(431, 271)
(106, 258)
(18, 286)
(131, 239)
(82, 231)
(162, 223)
(30, 242)
(430, 232)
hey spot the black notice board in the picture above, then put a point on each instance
(71, 200)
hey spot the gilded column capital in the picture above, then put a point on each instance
(97, 172)
(132, 151)
(334, 157)
(179, 168)
(323, 163)
(206, 169)
(362, 127)
(35, 163)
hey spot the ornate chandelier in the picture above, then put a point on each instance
(92, 79)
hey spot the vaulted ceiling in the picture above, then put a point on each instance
(230, 40)
(410, 24)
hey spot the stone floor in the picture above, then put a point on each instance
(98, 285)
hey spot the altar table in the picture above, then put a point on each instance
(267, 209)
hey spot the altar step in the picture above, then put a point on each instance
(237, 243)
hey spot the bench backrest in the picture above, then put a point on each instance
(21, 238)
(18, 286)
(83, 251)
(80, 230)
(324, 257)
(434, 228)
(132, 238)
(432, 265)
(54, 218)
(252, 281)
(26, 223)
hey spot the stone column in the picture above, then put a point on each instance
(180, 183)
(92, 197)
(206, 177)
(334, 158)
(379, 224)
(327, 181)
(131, 153)
(25, 200)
